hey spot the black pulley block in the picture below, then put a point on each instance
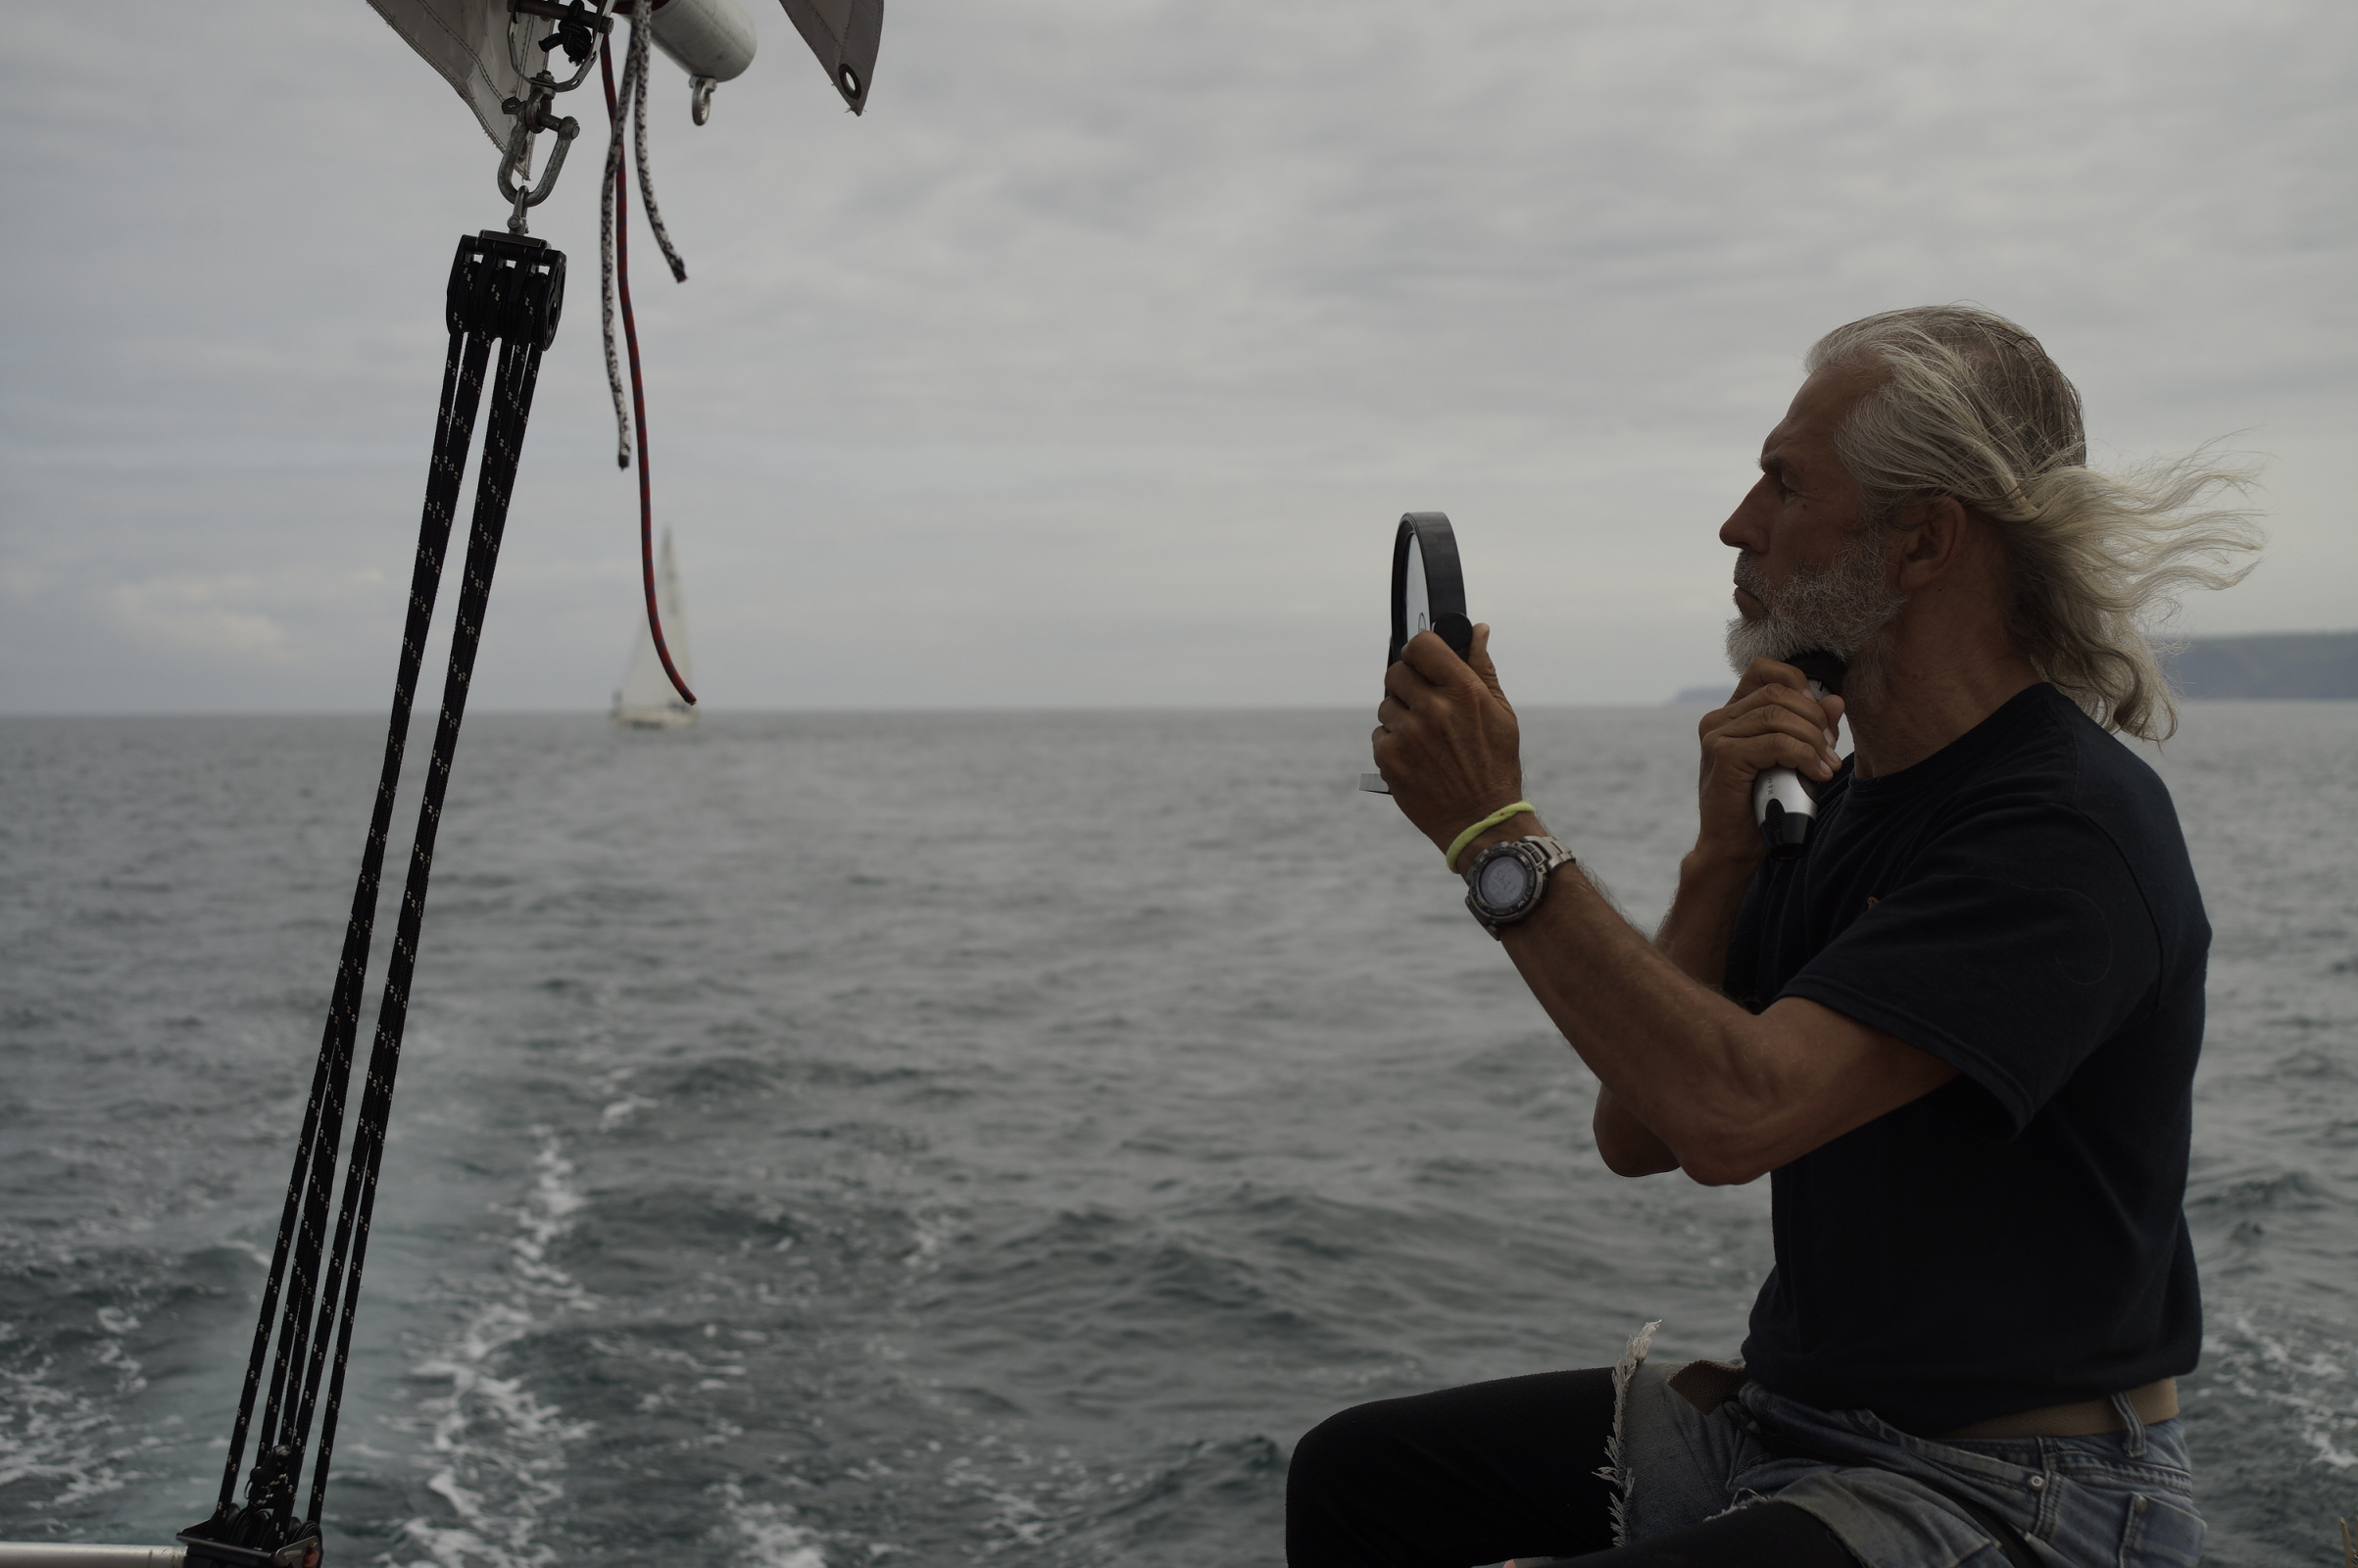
(508, 286)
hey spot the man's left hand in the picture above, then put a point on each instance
(1446, 737)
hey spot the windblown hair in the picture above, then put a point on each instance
(1969, 406)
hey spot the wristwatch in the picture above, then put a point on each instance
(1506, 881)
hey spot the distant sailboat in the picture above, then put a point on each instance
(646, 699)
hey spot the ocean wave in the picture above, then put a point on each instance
(2301, 1382)
(1020, 1210)
(765, 1534)
(63, 1441)
(497, 1451)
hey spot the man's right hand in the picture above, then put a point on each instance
(1771, 721)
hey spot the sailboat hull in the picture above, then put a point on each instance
(655, 719)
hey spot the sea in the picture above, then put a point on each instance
(835, 1139)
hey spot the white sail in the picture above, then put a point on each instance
(646, 699)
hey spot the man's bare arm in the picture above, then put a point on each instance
(1728, 1095)
(1628, 1147)
(1694, 935)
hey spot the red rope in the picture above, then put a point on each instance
(638, 392)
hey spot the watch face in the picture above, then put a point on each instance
(1502, 883)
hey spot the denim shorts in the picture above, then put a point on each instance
(2121, 1499)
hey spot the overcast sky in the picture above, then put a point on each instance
(1094, 364)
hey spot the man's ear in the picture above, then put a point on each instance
(1933, 537)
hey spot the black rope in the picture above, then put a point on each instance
(511, 290)
(322, 1120)
(502, 446)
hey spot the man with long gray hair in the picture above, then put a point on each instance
(1958, 1031)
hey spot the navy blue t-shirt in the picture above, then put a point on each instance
(2019, 905)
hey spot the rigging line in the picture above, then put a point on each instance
(632, 100)
(608, 194)
(461, 384)
(634, 76)
(504, 286)
(503, 446)
(638, 408)
(295, 1331)
(642, 32)
(511, 290)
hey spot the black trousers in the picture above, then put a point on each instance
(1497, 1470)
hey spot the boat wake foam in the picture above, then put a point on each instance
(497, 1450)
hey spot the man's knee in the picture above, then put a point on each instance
(1349, 1444)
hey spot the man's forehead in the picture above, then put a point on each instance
(1786, 446)
(1810, 422)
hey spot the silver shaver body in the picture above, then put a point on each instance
(1784, 804)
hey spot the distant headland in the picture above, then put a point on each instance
(2279, 666)
(2284, 664)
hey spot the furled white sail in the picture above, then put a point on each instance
(470, 43)
(646, 699)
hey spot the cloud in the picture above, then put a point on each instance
(1093, 364)
(185, 615)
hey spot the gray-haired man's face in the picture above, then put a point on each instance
(1807, 574)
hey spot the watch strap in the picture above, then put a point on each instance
(1557, 850)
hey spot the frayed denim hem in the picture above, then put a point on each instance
(1616, 1472)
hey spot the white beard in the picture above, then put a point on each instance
(1838, 606)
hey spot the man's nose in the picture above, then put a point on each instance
(1747, 528)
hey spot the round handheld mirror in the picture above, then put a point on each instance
(1428, 594)
(1428, 587)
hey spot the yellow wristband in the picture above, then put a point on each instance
(1458, 845)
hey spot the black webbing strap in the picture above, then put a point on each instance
(511, 290)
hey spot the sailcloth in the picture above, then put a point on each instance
(468, 42)
(646, 699)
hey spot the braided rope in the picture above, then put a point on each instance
(642, 32)
(514, 300)
(615, 279)
(503, 449)
(610, 238)
(627, 104)
(322, 1118)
